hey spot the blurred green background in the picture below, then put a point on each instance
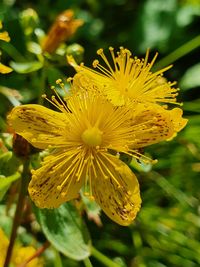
(166, 232)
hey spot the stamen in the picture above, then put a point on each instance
(101, 53)
(59, 81)
(107, 169)
(113, 57)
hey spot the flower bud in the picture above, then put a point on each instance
(21, 147)
(62, 29)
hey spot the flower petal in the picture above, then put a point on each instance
(56, 181)
(153, 124)
(116, 189)
(4, 69)
(4, 36)
(178, 121)
(3, 246)
(39, 125)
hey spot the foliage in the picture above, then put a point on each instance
(167, 229)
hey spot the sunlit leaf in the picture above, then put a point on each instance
(5, 183)
(64, 228)
(191, 78)
(8, 164)
(26, 67)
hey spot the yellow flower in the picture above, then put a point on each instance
(85, 140)
(125, 78)
(5, 37)
(3, 247)
(20, 254)
(4, 69)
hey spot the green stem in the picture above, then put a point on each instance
(102, 258)
(178, 53)
(87, 262)
(42, 85)
(19, 210)
(57, 261)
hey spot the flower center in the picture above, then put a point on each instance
(92, 136)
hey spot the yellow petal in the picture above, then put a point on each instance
(3, 246)
(56, 181)
(4, 69)
(4, 36)
(72, 62)
(39, 125)
(21, 254)
(153, 124)
(178, 122)
(116, 189)
(127, 78)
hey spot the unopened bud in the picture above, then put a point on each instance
(62, 29)
(21, 147)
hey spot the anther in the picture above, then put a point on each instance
(154, 161)
(69, 79)
(59, 187)
(99, 51)
(58, 81)
(63, 194)
(95, 63)
(129, 193)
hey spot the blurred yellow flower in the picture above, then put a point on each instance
(126, 78)
(5, 37)
(20, 254)
(86, 139)
(3, 247)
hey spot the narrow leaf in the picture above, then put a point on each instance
(26, 67)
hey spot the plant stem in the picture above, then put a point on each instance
(103, 259)
(36, 254)
(19, 210)
(42, 84)
(87, 262)
(57, 261)
(178, 53)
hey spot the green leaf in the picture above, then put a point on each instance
(155, 24)
(187, 13)
(92, 209)
(140, 166)
(34, 48)
(9, 164)
(53, 74)
(26, 67)
(64, 228)
(191, 78)
(5, 183)
(6, 220)
(192, 106)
